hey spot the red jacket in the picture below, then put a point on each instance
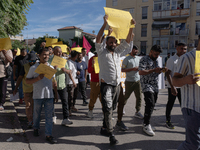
(94, 76)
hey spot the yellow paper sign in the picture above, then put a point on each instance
(197, 64)
(46, 70)
(112, 34)
(58, 61)
(50, 41)
(78, 49)
(18, 52)
(5, 44)
(96, 65)
(62, 46)
(120, 20)
(60, 42)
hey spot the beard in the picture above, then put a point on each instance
(111, 48)
(153, 58)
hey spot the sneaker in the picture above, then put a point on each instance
(51, 139)
(104, 132)
(121, 126)
(169, 125)
(36, 132)
(66, 122)
(139, 115)
(152, 127)
(113, 140)
(90, 114)
(148, 130)
(30, 125)
(85, 103)
(1, 108)
(20, 101)
(54, 119)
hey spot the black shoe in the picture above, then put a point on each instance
(85, 103)
(113, 140)
(30, 125)
(51, 139)
(36, 132)
(104, 132)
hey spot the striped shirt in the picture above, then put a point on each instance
(190, 93)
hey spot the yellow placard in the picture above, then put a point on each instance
(112, 34)
(50, 41)
(62, 46)
(96, 65)
(120, 20)
(18, 52)
(46, 70)
(60, 42)
(78, 49)
(58, 61)
(5, 44)
(197, 64)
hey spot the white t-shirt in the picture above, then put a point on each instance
(171, 65)
(42, 88)
(73, 67)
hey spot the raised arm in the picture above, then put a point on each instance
(129, 36)
(101, 31)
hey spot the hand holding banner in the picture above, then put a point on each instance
(5, 44)
(58, 61)
(46, 70)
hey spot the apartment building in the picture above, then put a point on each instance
(162, 22)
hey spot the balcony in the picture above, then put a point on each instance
(170, 14)
(170, 32)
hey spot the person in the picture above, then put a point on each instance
(173, 91)
(94, 85)
(5, 60)
(43, 95)
(149, 71)
(71, 88)
(50, 50)
(27, 88)
(166, 58)
(109, 75)
(14, 52)
(132, 83)
(61, 85)
(82, 77)
(85, 59)
(186, 77)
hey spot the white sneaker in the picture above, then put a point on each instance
(148, 130)
(90, 114)
(54, 119)
(66, 122)
(139, 115)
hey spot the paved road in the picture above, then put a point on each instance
(84, 133)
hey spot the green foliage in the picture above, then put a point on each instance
(17, 44)
(79, 41)
(13, 18)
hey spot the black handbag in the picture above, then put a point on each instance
(8, 70)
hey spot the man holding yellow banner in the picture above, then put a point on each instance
(109, 75)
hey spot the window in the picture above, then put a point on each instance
(114, 3)
(131, 10)
(166, 4)
(197, 30)
(143, 45)
(157, 5)
(143, 30)
(144, 12)
(198, 8)
(144, 0)
(195, 43)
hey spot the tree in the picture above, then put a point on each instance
(17, 44)
(13, 18)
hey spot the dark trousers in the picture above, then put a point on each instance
(170, 103)
(150, 99)
(3, 88)
(82, 89)
(110, 95)
(72, 95)
(64, 99)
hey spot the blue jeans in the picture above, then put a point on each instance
(21, 95)
(192, 126)
(48, 107)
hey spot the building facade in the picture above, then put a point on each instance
(162, 22)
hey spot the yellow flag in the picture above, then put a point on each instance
(62, 46)
(18, 52)
(50, 41)
(78, 49)
(5, 44)
(197, 64)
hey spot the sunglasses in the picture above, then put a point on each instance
(32, 60)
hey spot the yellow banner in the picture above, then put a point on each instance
(5, 44)
(62, 46)
(120, 20)
(58, 61)
(50, 41)
(60, 42)
(18, 52)
(78, 49)
(112, 34)
(197, 64)
(46, 70)
(96, 65)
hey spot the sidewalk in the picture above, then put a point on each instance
(85, 132)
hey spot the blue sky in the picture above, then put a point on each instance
(46, 16)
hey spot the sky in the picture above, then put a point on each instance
(46, 16)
